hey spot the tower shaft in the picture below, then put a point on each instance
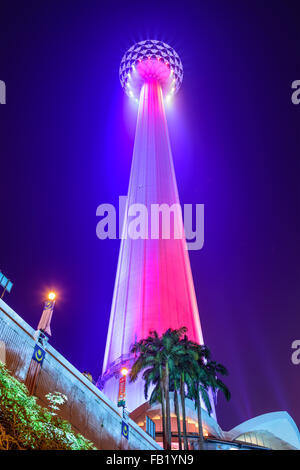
(154, 288)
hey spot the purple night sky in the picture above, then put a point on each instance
(66, 141)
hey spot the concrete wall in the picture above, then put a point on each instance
(88, 410)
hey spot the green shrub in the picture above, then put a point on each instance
(26, 425)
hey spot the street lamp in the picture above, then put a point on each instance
(51, 296)
(41, 337)
(124, 371)
(45, 320)
(122, 388)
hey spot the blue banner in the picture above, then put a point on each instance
(38, 354)
(125, 429)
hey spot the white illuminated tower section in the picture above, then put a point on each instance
(154, 288)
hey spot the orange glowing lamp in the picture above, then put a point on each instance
(124, 371)
(51, 296)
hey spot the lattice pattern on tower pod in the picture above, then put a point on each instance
(151, 49)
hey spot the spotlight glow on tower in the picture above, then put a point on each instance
(154, 288)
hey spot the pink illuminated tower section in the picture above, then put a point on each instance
(154, 288)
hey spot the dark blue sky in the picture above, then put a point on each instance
(66, 139)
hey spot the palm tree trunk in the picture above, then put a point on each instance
(163, 410)
(199, 414)
(177, 411)
(182, 396)
(168, 414)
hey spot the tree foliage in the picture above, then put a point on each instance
(173, 363)
(25, 425)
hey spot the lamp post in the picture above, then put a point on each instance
(122, 402)
(39, 352)
(46, 317)
(122, 388)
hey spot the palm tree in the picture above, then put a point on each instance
(150, 358)
(182, 397)
(188, 369)
(153, 376)
(198, 387)
(157, 355)
(214, 368)
(174, 388)
(206, 379)
(171, 362)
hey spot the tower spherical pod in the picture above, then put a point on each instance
(150, 60)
